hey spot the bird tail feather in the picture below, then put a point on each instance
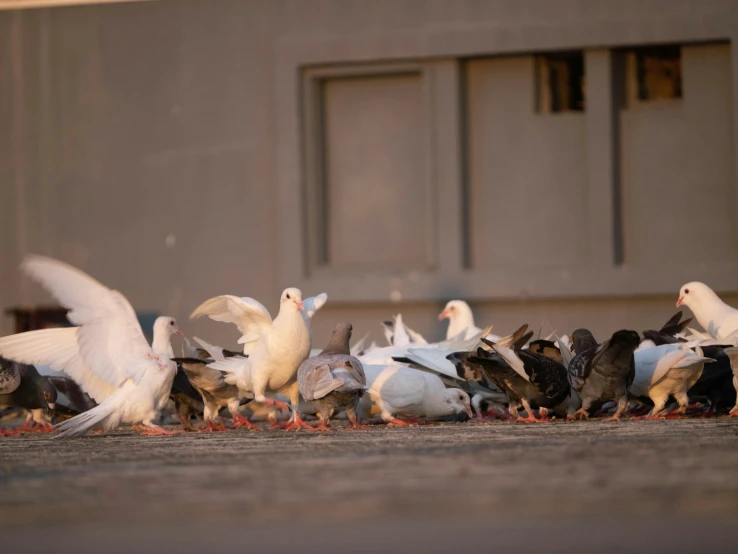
(80, 424)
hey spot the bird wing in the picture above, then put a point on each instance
(215, 351)
(57, 348)
(652, 364)
(581, 366)
(249, 315)
(546, 374)
(512, 359)
(316, 381)
(566, 354)
(109, 340)
(312, 305)
(399, 387)
(358, 347)
(10, 378)
(433, 359)
(201, 375)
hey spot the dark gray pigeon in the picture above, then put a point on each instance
(604, 372)
(21, 386)
(333, 379)
(71, 400)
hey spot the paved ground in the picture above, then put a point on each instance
(563, 487)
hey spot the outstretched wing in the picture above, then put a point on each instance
(110, 340)
(249, 315)
(57, 348)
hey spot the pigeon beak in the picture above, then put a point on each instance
(679, 302)
(52, 405)
(468, 411)
(299, 304)
(443, 315)
(179, 332)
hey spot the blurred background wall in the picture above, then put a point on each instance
(556, 162)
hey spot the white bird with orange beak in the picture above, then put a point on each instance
(461, 320)
(714, 315)
(107, 354)
(276, 348)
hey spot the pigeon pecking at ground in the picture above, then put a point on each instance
(530, 379)
(333, 379)
(21, 386)
(599, 373)
(664, 371)
(401, 395)
(212, 387)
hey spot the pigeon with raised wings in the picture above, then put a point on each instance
(106, 354)
(275, 348)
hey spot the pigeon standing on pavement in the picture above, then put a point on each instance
(603, 372)
(333, 379)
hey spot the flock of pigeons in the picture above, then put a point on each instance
(103, 373)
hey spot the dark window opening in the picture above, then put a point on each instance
(657, 72)
(561, 84)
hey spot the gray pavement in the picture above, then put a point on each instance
(562, 487)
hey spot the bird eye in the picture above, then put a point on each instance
(46, 395)
(686, 291)
(171, 323)
(288, 297)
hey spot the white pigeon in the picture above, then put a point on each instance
(399, 334)
(664, 371)
(411, 394)
(276, 348)
(715, 316)
(107, 354)
(461, 321)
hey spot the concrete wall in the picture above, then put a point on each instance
(143, 142)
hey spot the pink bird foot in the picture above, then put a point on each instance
(239, 421)
(297, 423)
(356, 424)
(211, 427)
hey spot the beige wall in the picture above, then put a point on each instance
(141, 142)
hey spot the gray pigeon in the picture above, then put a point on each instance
(333, 379)
(21, 386)
(603, 372)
